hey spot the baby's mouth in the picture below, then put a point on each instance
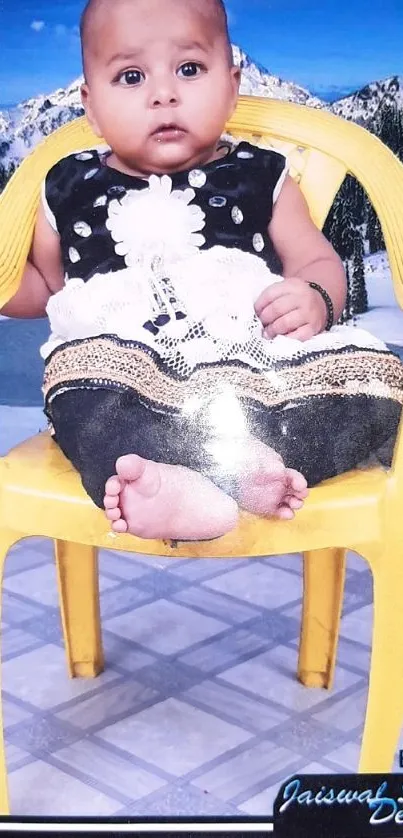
(168, 131)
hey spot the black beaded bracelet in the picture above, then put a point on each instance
(328, 303)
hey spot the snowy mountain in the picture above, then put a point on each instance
(33, 119)
(365, 105)
(37, 117)
(4, 124)
(23, 128)
(41, 115)
(257, 81)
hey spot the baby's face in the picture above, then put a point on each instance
(159, 86)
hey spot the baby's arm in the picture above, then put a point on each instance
(43, 274)
(292, 307)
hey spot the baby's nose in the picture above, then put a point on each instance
(164, 93)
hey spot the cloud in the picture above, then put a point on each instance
(37, 25)
(63, 31)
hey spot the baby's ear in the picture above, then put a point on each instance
(236, 76)
(86, 100)
(235, 82)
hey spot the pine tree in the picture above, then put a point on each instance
(348, 231)
(358, 293)
(374, 231)
(386, 126)
(5, 174)
(347, 313)
(352, 219)
(399, 141)
(344, 229)
(357, 197)
(4, 148)
(345, 216)
(333, 226)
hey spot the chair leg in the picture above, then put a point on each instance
(77, 569)
(384, 715)
(7, 539)
(324, 572)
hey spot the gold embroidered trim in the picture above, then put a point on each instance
(104, 362)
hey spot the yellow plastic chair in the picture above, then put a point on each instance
(41, 494)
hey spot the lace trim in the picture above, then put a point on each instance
(104, 362)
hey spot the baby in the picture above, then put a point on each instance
(184, 378)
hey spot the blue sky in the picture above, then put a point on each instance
(333, 46)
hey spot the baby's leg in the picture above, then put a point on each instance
(84, 418)
(155, 500)
(276, 493)
(264, 485)
(95, 428)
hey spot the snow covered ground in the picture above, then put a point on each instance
(384, 318)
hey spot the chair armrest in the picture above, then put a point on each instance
(19, 200)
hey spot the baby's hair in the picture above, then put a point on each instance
(212, 9)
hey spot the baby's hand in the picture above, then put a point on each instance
(291, 308)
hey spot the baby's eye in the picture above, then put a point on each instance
(190, 70)
(131, 77)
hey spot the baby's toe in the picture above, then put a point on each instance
(119, 526)
(111, 501)
(285, 513)
(295, 502)
(113, 486)
(113, 514)
(296, 481)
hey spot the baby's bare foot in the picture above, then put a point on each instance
(269, 488)
(154, 500)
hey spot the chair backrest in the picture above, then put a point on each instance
(321, 149)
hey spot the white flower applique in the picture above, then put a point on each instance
(156, 225)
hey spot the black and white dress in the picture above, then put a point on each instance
(155, 347)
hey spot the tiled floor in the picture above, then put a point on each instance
(198, 711)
